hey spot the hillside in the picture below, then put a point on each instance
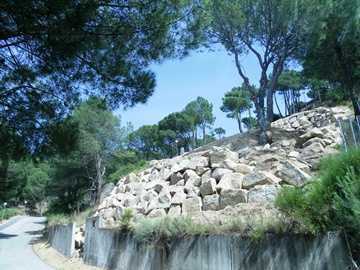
(230, 179)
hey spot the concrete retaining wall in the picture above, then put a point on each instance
(111, 249)
(62, 238)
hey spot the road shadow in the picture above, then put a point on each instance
(7, 236)
(37, 232)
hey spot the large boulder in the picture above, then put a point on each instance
(230, 181)
(293, 175)
(192, 206)
(208, 187)
(312, 133)
(211, 202)
(263, 193)
(259, 178)
(131, 178)
(232, 197)
(218, 155)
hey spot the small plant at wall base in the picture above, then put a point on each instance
(330, 203)
(125, 219)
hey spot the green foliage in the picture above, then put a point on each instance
(125, 219)
(46, 67)
(10, 212)
(201, 112)
(271, 31)
(59, 219)
(330, 202)
(146, 141)
(64, 219)
(175, 131)
(290, 82)
(335, 55)
(235, 103)
(220, 132)
(99, 139)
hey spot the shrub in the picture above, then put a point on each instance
(125, 219)
(331, 202)
(9, 212)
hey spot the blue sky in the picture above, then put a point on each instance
(206, 74)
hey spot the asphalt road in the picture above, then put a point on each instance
(16, 251)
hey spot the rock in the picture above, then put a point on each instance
(193, 192)
(201, 170)
(237, 167)
(131, 178)
(106, 190)
(293, 175)
(219, 172)
(150, 185)
(208, 187)
(107, 213)
(263, 193)
(230, 181)
(178, 198)
(211, 202)
(312, 133)
(192, 206)
(176, 177)
(164, 201)
(259, 178)
(112, 202)
(159, 187)
(314, 140)
(293, 154)
(129, 199)
(232, 197)
(174, 211)
(193, 181)
(154, 175)
(157, 214)
(218, 155)
(183, 164)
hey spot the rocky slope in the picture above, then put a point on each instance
(230, 178)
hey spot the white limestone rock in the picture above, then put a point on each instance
(263, 193)
(192, 206)
(211, 202)
(131, 178)
(157, 214)
(178, 198)
(174, 211)
(219, 172)
(293, 175)
(218, 155)
(230, 181)
(164, 201)
(259, 178)
(232, 197)
(208, 187)
(237, 167)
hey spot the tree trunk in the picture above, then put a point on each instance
(99, 175)
(239, 122)
(204, 133)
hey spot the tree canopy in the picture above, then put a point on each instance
(54, 53)
(270, 30)
(235, 102)
(336, 56)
